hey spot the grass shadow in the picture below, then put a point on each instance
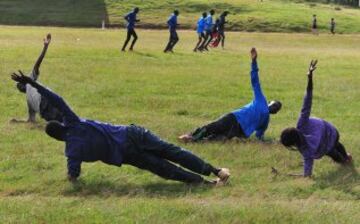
(105, 188)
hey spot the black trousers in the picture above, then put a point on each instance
(147, 151)
(174, 38)
(339, 154)
(130, 33)
(225, 127)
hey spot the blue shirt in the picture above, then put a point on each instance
(200, 25)
(87, 140)
(255, 115)
(172, 22)
(131, 19)
(208, 23)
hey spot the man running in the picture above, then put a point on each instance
(209, 25)
(314, 137)
(314, 26)
(172, 23)
(221, 27)
(131, 20)
(200, 30)
(332, 26)
(90, 141)
(36, 103)
(243, 122)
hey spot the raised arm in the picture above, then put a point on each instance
(306, 108)
(36, 69)
(54, 99)
(255, 76)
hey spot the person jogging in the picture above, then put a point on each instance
(242, 122)
(36, 103)
(90, 141)
(131, 20)
(209, 25)
(174, 38)
(332, 26)
(200, 31)
(221, 27)
(314, 137)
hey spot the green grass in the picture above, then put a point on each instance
(246, 15)
(171, 94)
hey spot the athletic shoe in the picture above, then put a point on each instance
(185, 138)
(224, 175)
(350, 160)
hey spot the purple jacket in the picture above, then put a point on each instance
(319, 136)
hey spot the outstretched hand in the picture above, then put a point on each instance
(312, 67)
(47, 39)
(21, 78)
(253, 53)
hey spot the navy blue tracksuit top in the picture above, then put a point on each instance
(87, 140)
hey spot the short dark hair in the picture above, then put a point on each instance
(21, 87)
(176, 12)
(204, 14)
(290, 137)
(212, 11)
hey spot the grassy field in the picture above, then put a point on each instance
(246, 15)
(172, 94)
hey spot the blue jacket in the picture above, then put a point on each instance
(131, 19)
(255, 115)
(87, 140)
(209, 23)
(172, 22)
(200, 25)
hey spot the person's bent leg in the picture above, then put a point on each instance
(198, 44)
(168, 46)
(128, 36)
(175, 39)
(209, 40)
(133, 33)
(222, 39)
(339, 154)
(205, 38)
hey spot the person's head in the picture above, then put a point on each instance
(332, 19)
(176, 12)
(21, 87)
(274, 106)
(290, 137)
(225, 13)
(56, 130)
(136, 9)
(204, 14)
(212, 12)
(314, 16)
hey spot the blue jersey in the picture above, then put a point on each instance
(87, 140)
(172, 22)
(131, 19)
(200, 25)
(255, 115)
(209, 23)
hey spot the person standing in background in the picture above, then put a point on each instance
(131, 20)
(174, 38)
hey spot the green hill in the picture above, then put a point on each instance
(246, 15)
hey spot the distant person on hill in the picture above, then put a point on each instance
(209, 25)
(314, 27)
(314, 137)
(172, 23)
(242, 122)
(131, 20)
(35, 102)
(200, 30)
(221, 27)
(332, 26)
(90, 141)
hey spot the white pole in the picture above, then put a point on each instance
(103, 25)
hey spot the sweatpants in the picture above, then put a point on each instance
(338, 153)
(147, 151)
(226, 127)
(130, 32)
(173, 39)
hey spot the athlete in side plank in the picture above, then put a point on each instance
(90, 141)
(242, 122)
(37, 103)
(314, 137)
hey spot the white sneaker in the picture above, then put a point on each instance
(224, 175)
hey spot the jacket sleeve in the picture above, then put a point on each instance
(308, 166)
(261, 131)
(56, 101)
(74, 167)
(306, 108)
(255, 83)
